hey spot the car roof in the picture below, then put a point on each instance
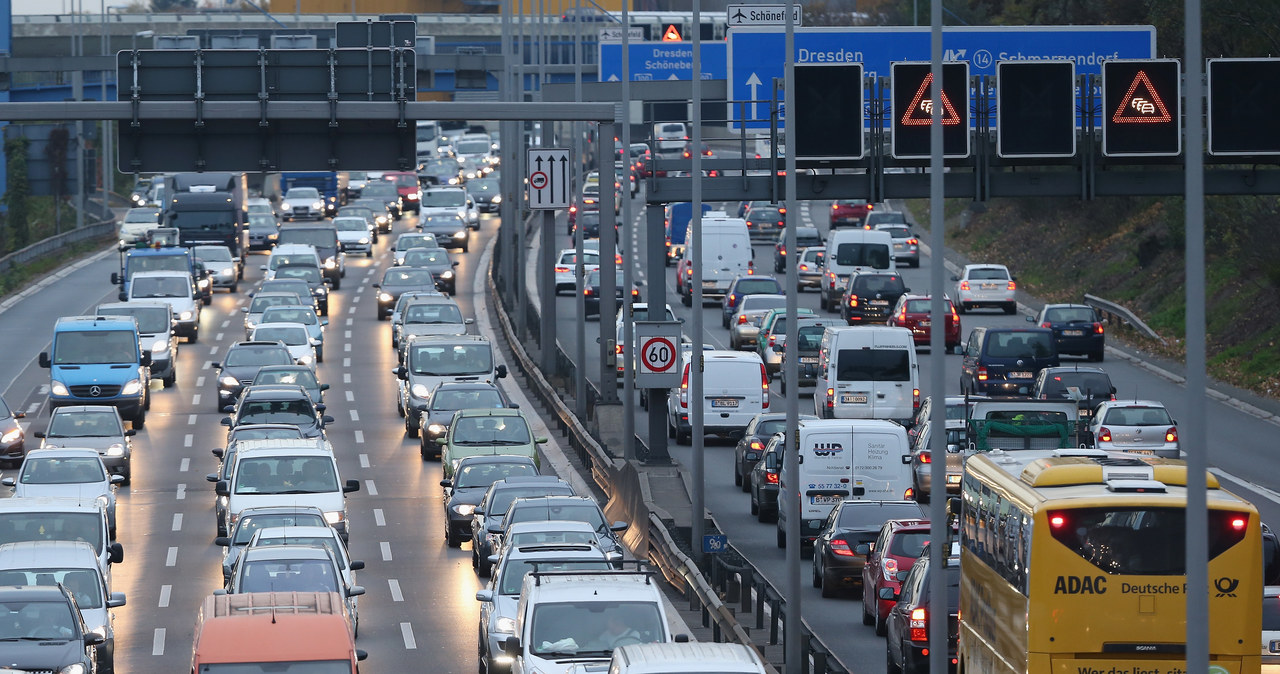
(72, 409)
(286, 552)
(280, 510)
(548, 525)
(68, 452)
(48, 554)
(497, 458)
(1067, 369)
(1132, 403)
(161, 274)
(50, 504)
(275, 392)
(311, 531)
(283, 445)
(14, 593)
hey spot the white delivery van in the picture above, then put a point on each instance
(725, 250)
(841, 459)
(867, 372)
(735, 388)
(849, 251)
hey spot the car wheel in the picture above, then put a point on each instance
(822, 302)
(737, 478)
(337, 283)
(450, 540)
(234, 288)
(410, 430)
(782, 538)
(961, 308)
(1011, 308)
(172, 378)
(889, 666)
(881, 627)
(368, 253)
(684, 437)
(194, 336)
(140, 420)
(816, 576)
(1097, 356)
(746, 483)
(381, 316)
(686, 300)
(733, 345)
(828, 588)
(755, 508)
(319, 354)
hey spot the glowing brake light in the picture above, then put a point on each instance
(684, 388)
(1013, 286)
(1104, 434)
(982, 374)
(1057, 520)
(915, 398)
(742, 319)
(913, 242)
(964, 285)
(773, 340)
(926, 457)
(1239, 523)
(919, 625)
(733, 299)
(1046, 324)
(757, 445)
(1097, 328)
(803, 266)
(831, 398)
(853, 301)
(771, 477)
(562, 270)
(764, 387)
(840, 547)
(1171, 435)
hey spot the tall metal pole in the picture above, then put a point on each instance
(630, 255)
(608, 265)
(792, 648)
(511, 143)
(522, 292)
(579, 302)
(657, 295)
(104, 125)
(696, 387)
(77, 84)
(937, 335)
(1196, 432)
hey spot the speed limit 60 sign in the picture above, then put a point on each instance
(657, 356)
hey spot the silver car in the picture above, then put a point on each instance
(96, 427)
(68, 472)
(985, 285)
(1137, 427)
(744, 325)
(809, 267)
(906, 247)
(320, 536)
(306, 315)
(292, 568)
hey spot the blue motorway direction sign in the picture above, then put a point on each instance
(756, 54)
(662, 61)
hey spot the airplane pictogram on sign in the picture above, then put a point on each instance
(1142, 109)
(672, 34)
(924, 107)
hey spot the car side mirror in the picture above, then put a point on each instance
(122, 296)
(501, 371)
(116, 553)
(355, 590)
(357, 564)
(115, 600)
(955, 278)
(540, 441)
(211, 477)
(320, 407)
(888, 594)
(222, 488)
(226, 421)
(217, 365)
(19, 415)
(324, 387)
(511, 646)
(862, 549)
(350, 486)
(377, 285)
(441, 441)
(145, 359)
(447, 484)
(44, 360)
(484, 595)
(130, 432)
(117, 479)
(326, 419)
(493, 559)
(324, 321)
(1031, 319)
(8, 482)
(468, 321)
(40, 434)
(618, 526)
(399, 372)
(455, 264)
(115, 278)
(901, 576)
(94, 639)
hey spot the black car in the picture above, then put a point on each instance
(1077, 329)
(438, 262)
(807, 347)
(1005, 361)
(450, 230)
(41, 631)
(381, 216)
(386, 193)
(314, 279)
(1088, 386)
(907, 636)
(12, 437)
(449, 397)
(590, 223)
(487, 192)
(592, 292)
(296, 286)
(471, 479)
(837, 564)
(443, 171)
(399, 280)
(279, 404)
(754, 438)
(762, 481)
(323, 236)
(241, 364)
(869, 297)
(806, 237)
(486, 524)
(764, 220)
(297, 375)
(742, 286)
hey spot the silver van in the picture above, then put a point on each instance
(867, 372)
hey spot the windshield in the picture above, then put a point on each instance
(407, 241)
(432, 313)
(592, 627)
(763, 302)
(408, 277)
(320, 238)
(257, 221)
(809, 337)
(158, 263)
(289, 336)
(295, 259)
(62, 470)
(286, 475)
(908, 543)
(250, 524)
(264, 433)
(1090, 384)
(486, 185)
(85, 424)
(249, 356)
(402, 180)
(147, 215)
(1069, 315)
(426, 256)
(450, 399)
(487, 430)
(151, 320)
(287, 314)
(923, 306)
(51, 620)
(384, 191)
(213, 254)
(761, 286)
(866, 515)
(873, 365)
(1138, 416)
(20, 527)
(871, 284)
(485, 474)
(294, 575)
(354, 224)
(95, 347)
(204, 221)
(262, 302)
(569, 512)
(302, 194)
(874, 255)
(160, 286)
(451, 359)
(327, 542)
(298, 412)
(513, 572)
(1020, 345)
(85, 584)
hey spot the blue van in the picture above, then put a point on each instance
(677, 219)
(97, 361)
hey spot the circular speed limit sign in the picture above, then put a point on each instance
(658, 354)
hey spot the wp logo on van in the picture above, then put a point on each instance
(827, 448)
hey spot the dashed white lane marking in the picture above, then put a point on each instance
(346, 377)
(187, 440)
(346, 362)
(371, 487)
(31, 409)
(364, 460)
(191, 420)
(394, 584)
(207, 365)
(351, 310)
(359, 290)
(359, 437)
(355, 416)
(165, 592)
(177, 522)
(354, 300)
(346, 334)
(213, 350)
(347, 347)
(379, 519)
(200, 381)
(184, 465)
(225, 323)
(406, 631)
(351, 321)
(195, 399)
(386, 551)
(217, 337)
(182, 492)
(351, 396)
(171, 558)
(157, 642)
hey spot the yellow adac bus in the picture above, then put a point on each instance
(1072, 562)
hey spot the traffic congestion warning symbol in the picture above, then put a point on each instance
(672, 34)
(658, 354)
(920, 112)
(1141, 104)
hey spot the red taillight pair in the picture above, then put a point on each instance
(913, 242)
(840, 547)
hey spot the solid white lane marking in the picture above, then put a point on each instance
(171, 559)
(184, 465)
(355, 416)
(386, 551)
(182, 492)
(195, 399)
(364, 460)
(406, 631)
(157, 642)
(187, 440)
(379, 519)
(177, 522)
(371, 487)
(394, 584)
(165, 591)
(359, 437)
(200, 381)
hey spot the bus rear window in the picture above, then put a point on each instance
(1141, 541)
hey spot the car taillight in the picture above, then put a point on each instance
(733, 300)
(689, 270)
(1104, 434)
(742, 319)
(1171, 435)
(964, 285)
(1046, 324)
(1013, 286)
(902, 317)
(1097, 328)
(926, 457)
(803, 266)
(687, 154)
(890, 569)
(982, 374)
(562, 270)
(831, 398)
(757, 445)
(913, 242)
(773, 341)
(771, 477)
(915, 398)
(635, 293)
(870, 207)
(909, 494)
(586, 292)
(953, 311)
(618, 349)
(764, 387)
(853, 301)
(840, 547)
(684, 389)
(751, 267)
(835, 206)
(919, 625)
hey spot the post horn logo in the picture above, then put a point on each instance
(1226, 586)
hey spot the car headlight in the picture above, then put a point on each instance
(250, 324)
(416, 195)
(504, 625)
(464, 509)
(335, 516)
(131, 387)
(380, 219)
(454, 181)
(460, 235)
(284, 206)
(305, 360)
(203, 283)
(330, 262)
(419, 391)
(76, 668)
(12, 436)
(58, 388)
(497, 199)
(185, 316)
(364, 239)
(227, 272)
(228, 380)
(447, 275)
(385, 297)
(318, 205)
(433, 429)
(116, 449)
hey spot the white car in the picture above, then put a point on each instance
(295, 337)
(71, 472)
(355, 235)
(136, 222)
(566, 272)
(175, 289)
(321, 537)
(413, 240)
(985, 285)
(298, 313)
(1137, 427)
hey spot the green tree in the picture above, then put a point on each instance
(17, 193)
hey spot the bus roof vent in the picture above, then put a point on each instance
(1081, 451)
(1136, 470)
(1124, 486)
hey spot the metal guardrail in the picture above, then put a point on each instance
(1111, 309)
(56, 242)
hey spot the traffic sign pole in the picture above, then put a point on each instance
(937, 334)
(696, 406)
(792, 648)
(656, 255)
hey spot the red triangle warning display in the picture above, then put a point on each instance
(920, 112)
(672, 34)
(1141, 104)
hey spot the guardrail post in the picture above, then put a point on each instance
(775, 616)
(819, 663)
(745, 585)
(761, 589)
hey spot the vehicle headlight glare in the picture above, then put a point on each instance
(285, 206)
(433, 429)
(228, 380)
(364, 239)
(460, 235)
(12, 436)
(116, 449)
(76, 668)
(385, 297)
(419, 391)
(447, 275)
(464, 509)
(335, 516)
(305, 360)
(330, 263)
(160, 345)
(227, 272)
(185, 316)
(59, 389)
(504, 625)
(497, 199)
(318, 205)
(131, 387)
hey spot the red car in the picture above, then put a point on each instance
(895, 551)
(849, 212)
(912, 312)
(407, 186)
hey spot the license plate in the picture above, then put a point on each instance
(1147, 452)
(1275, 646)
(1073, 333)
(808, 359)
(1019, 375)
(708, 284)
(724, 402)
(953, 479)
(853, 398)
(879, 303)
(925, 324)
(825, 500)
(990, 286)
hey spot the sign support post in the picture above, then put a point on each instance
(548, 190)
(656, 294)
